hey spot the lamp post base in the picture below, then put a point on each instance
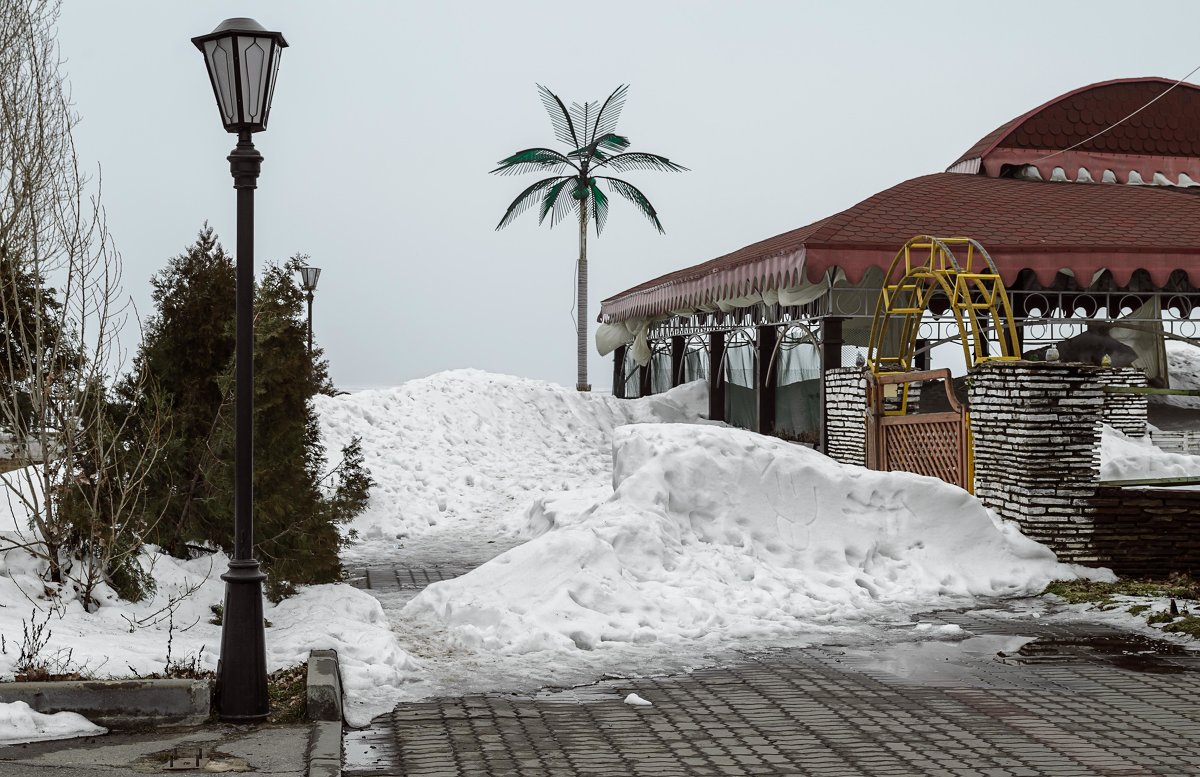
(242, 671)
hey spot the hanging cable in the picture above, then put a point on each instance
(1118, 123)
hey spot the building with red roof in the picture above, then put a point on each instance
(1087, 205)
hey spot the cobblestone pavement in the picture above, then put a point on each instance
(395, 578)
(1059, 706)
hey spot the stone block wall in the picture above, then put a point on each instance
(1149, 532)
(1125, 412)
(1037, 447)
(845, 415)
(1036, 428)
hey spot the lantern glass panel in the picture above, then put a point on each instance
(254, 56)
(220, 67)
(309, 276)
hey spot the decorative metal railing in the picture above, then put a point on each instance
(1042, 316)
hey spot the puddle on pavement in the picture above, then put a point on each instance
(368, 748)
(1132, 652)
(935, 662)
(960, 662)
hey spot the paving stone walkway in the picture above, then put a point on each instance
(915, 709)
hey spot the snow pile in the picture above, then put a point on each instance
(121, 638)
(467, 444)
(1128, 458)
(1183, 365)
(372, 664)
(19, 723)
(715, 534)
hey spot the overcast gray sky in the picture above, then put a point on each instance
(388, 116)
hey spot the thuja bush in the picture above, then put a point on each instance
(185, 367)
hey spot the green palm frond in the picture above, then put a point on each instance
(564, 127)
(612, 142)
(638, 160)
(590, 130)
(533, 160)
(527, 198)
(556, 202)
(599, 206)
(581, 117)
(601, 149)
(631, 193)
(608, 114)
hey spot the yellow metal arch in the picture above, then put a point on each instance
(925, 267)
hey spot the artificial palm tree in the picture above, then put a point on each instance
(588, 130)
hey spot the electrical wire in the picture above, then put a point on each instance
(1120, 122)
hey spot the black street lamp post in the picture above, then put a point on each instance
(308, 279)
(243, 60)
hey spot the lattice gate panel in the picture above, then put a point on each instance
(934, 444)
(927, 446)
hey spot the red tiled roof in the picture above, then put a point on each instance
(1168, 128)
(1034, 225)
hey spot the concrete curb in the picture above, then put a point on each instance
(119, 703)
(325, 710)
(324, 686)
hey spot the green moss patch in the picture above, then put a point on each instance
(1188, 624)
(1177, 587)
(1092, 592)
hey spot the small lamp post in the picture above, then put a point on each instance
(308, 279)
(243, 61)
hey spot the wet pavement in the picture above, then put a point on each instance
(275, 750)
(1021, 697)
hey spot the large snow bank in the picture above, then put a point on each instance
(715, 533)
(20, 723)
(467, 444)
(1127, 458)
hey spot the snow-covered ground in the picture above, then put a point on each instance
(714, 535)
(1183, 365)
(655, 541)
(127, 639)
(475, 446)
(613, 537)
(1127, 458)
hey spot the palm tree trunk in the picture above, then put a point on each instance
(581, 353)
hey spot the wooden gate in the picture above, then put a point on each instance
(935, 444)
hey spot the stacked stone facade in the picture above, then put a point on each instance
(1037, 447)
(1125, 412)
(1036, 428)
(846, 415)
